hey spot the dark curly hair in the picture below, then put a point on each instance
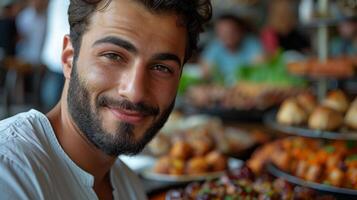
(194, 14)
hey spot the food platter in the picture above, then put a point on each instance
(340, 193)
(270, 120)
(148, 173)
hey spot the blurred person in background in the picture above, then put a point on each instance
(233, 47)
(345, 43)
(31, 26)
(57, 27)
(281, 30)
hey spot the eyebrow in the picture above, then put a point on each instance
(168, 56)
(118, 42)
(131, 48)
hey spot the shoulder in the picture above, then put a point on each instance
(22, 137)
(17, 181)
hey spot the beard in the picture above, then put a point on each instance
(122, 141)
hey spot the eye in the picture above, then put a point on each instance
(113, 57)
(162, 68)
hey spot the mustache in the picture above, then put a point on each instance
(141, 107)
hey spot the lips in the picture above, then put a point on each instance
(129, 116)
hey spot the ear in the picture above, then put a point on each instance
(67, 57)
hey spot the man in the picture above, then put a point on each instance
(122, 63)
(233, 48)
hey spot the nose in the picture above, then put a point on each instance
(133, 84)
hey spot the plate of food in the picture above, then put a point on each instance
(244, 184)
(333, 118)
(243, 101)
(204, 133)
(319, 164)
(342, 193)
(193, 170)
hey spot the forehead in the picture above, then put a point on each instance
(133, 21)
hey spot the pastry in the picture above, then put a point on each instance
(307, 101)
(325, 119)
(336, 100)
(351, 116)
(291, 113)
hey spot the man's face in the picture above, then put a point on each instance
(125, 78)
(229, 33)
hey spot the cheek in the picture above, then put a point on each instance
(94, 80)
(98, 78)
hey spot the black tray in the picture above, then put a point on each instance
(270, 120)
(227, 114)
(339, 193)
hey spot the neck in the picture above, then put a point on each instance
(77, 146)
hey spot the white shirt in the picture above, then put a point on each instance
(57, 28)
(34, 166)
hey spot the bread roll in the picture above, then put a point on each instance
(307, 101)
(336, 100)
(325, 119)
(290, 113)
(351, 116)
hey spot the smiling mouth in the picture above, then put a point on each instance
(129, 116)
